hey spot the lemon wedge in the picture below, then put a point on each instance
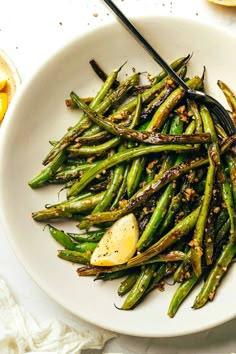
(3, 104)
(3, 84)
(9, 81)
(118, 244)
(224, 2)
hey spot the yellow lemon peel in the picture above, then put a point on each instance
(224, 2)
(3, 105)
(3, 84)
(118, 244)
(9, 81)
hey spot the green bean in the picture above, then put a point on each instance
(83, 122)
(112, 189)
(111, 99)
(197, 116)
(87, 150)
(127, 284)
(144, 193)
(223, 232)
(100, 72)
(74, 199)
(137, 170)
(118, 158)
(209, 234)
(208, 290)
(94, 139)
(182, 271)
(89, 236)
(164, 200)
(190, 128)
(89, 133)
(175, 203)
(220, 131)
(214, 161)
(181, 229)
(169, 257)
(137, 113)
(52, 142)
(230, 97)
(70, 161)
(100, 186)
(118, 174)
(159, 274)
(74, 256)
(181, 293)
(119, 93)
(138, 164)
(61, 237)
(111, 276)
(152, 106)
(209, 237)
(88, 247)
(210, 128)
(139, 287)
(231, 161)
(166, 127)
(135, 120)
(156, 218)
(177, 125)
(72, 172)
(94, 150)
(176, 65)
(228, 145)
(96, 129)
(174, 207)
(140, 136)
(172, 100)
(221, 219)
(122, 190)
(146, 96)
(150, 175)
(143, 126)
(135, 175)
(67, 208)
(70, 104)
(227, 196)
(49, 171)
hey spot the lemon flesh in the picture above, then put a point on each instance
(224, 2)
(118, 244)
(3, 83)
(3, 104)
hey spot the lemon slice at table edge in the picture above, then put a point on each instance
(3, 84)
(3, 104)
(118, 244)
(9, 82)
(224, 2)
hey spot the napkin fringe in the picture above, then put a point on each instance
(21, 333)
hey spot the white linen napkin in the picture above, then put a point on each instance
(21, 333)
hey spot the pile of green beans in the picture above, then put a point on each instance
(148, 150)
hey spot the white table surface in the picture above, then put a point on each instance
(29, 32)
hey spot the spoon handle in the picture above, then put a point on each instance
(145, 44)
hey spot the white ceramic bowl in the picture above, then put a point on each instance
(38, 114)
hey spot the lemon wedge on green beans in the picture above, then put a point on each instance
(118, 244)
